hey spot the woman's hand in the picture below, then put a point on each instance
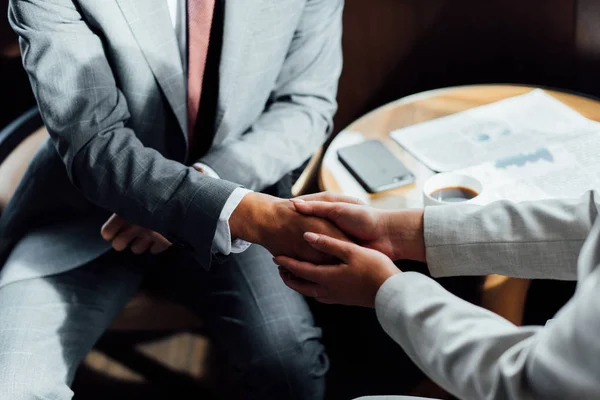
(354, 281)
(397, 234)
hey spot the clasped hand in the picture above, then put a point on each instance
(269, 221)
(266, 220)
(361, 267)
(328, 246)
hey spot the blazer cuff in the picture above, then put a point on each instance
(393, 297)
(442, 227)
(208, 200)
(535, 240)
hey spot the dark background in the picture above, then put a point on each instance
(393, 48)
(397, 47)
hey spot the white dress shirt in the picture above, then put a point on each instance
(222, 242)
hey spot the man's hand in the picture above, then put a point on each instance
(353, 281)
(276, 225)
(397, 234)
(123, 234)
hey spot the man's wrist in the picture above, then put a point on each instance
(222, 241)
(250, 216)
(406, 234)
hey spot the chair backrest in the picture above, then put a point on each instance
(19, 142)
(17, 131)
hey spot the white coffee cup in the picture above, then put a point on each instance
(446, 180)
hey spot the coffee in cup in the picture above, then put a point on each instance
(454, 194)
(451, 188)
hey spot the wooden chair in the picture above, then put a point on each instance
(18, 143)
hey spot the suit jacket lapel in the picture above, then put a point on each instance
(151, 25)
(238, 17)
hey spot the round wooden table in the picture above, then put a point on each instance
(412, 110)
(500, 294)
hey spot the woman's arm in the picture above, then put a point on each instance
(475, 354)
(528, 240)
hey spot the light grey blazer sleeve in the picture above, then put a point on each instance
(86, 115)
(475, 354)
(299, 113)
(528, 240)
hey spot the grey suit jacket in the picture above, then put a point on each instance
(109, 82)
(474, 353)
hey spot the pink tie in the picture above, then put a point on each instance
(199, 17)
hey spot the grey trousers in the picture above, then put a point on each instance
(266, 331)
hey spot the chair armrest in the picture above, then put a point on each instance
(16, 162)
(309, 176)
(505, 296)
(17, 131)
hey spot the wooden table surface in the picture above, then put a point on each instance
(420, 108)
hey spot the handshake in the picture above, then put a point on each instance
(328, 246)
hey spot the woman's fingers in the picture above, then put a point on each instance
(321, 209)
(304, 270)
(330, 197)
(302, 286)
(333, 247)
(355, 220)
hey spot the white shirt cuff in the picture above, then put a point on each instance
(222, 242)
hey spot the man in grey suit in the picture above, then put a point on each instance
(139, 96)
(471, 352)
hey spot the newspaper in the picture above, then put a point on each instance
(520, 124)
(529, 147)
(560, 170)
